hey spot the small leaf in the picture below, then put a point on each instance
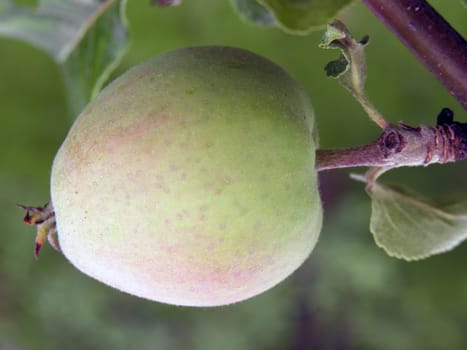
(254, 12)
(338, 67)
(410, 227)
(304, 16)
(350, 67)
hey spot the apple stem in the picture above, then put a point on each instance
(431, 39)
(402, 145)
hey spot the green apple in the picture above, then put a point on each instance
(191, 179)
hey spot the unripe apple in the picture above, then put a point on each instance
(190, 180)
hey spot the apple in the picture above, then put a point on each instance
(190, 179)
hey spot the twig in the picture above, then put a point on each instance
(402, 145)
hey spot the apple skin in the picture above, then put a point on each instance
(190, 180)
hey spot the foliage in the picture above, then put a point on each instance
(86, 38)
(296, 17)
(411, 228)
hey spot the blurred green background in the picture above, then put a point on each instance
(348, 295)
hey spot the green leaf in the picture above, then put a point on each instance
(95, 58)
(409, 227)
(252, 11)
(86, 38)
(55, 26)
(304, 16)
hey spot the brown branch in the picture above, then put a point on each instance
(402, 145)
(430, 38)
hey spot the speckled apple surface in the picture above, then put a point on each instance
(190, 179)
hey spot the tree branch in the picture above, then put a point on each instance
(402, 145)
(430, 38)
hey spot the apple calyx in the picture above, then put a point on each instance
(44, 220)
